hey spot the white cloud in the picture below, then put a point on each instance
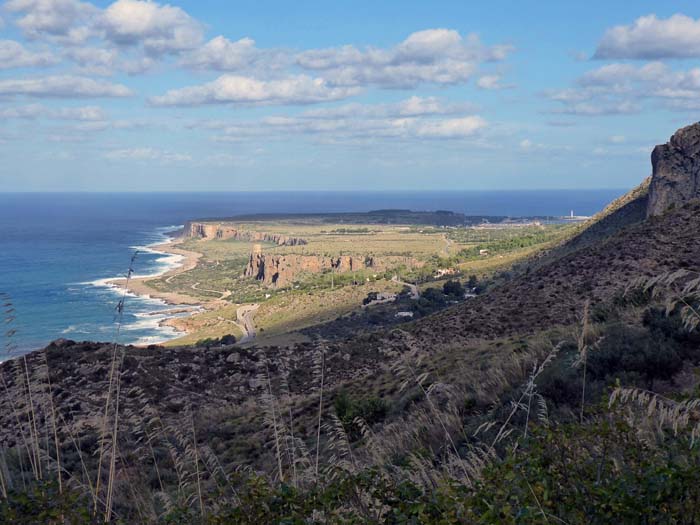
(105, 62)
(65, 21)
(623, 74)
(529, 146)
(617, 139)
(221, 54)
(234, 89)
(449, 128)
(407, 120)
(64, 86)
(491, 82)
(147, 154)
(34, 111)
(434, 56)
(411, 107)
(620, 88)
(13, 54)
(526, 144)
(93, 57)
(158, 28)
(652, 38)
(599, 109)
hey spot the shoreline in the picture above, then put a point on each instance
(181, 303)
(138, 285)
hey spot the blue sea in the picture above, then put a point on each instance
(57, 250)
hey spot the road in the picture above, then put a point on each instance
(244, 317)
(415, 294)
(224, 294)
(446, 248)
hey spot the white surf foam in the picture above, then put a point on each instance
(149, 320)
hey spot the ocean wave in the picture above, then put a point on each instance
(143, 324)
(147, 311)
(154, 339)
(77, 329)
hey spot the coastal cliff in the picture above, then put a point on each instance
(280, 270)
(205, 230)
(676, 171)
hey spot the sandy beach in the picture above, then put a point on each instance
(139, 285)
(184, 303)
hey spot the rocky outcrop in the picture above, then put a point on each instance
(676, 171)
(281, 270)
(208, 230)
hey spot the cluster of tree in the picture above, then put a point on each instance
(210, 342)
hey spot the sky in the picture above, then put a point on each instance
(134, 95)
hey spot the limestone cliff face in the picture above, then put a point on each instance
(207, 230)
(676, 171)
(281, 270)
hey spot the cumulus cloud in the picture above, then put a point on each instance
(146, 155)
(234, 89)
(35, 111)
(436, 56)
(64, 86)
(158, 28)
(13, 54)
(620, 88)
(652, 38)
(106, 62)
(65, 21)
(222, 54)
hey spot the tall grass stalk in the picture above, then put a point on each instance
(110, 388)
(321, 373)
(582, 344)
(53, 423)
(196, 464)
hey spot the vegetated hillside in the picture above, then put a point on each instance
(417, 425)
(553, 294)
(624, 211)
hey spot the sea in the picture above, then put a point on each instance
(58, 250)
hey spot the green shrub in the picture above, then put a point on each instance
(371, 409)
(636, 350)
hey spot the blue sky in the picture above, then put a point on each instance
(138, 96)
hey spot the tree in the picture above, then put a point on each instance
(453, 288)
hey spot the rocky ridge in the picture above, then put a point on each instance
(676, 171)
(204, 230)
(281, 270)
